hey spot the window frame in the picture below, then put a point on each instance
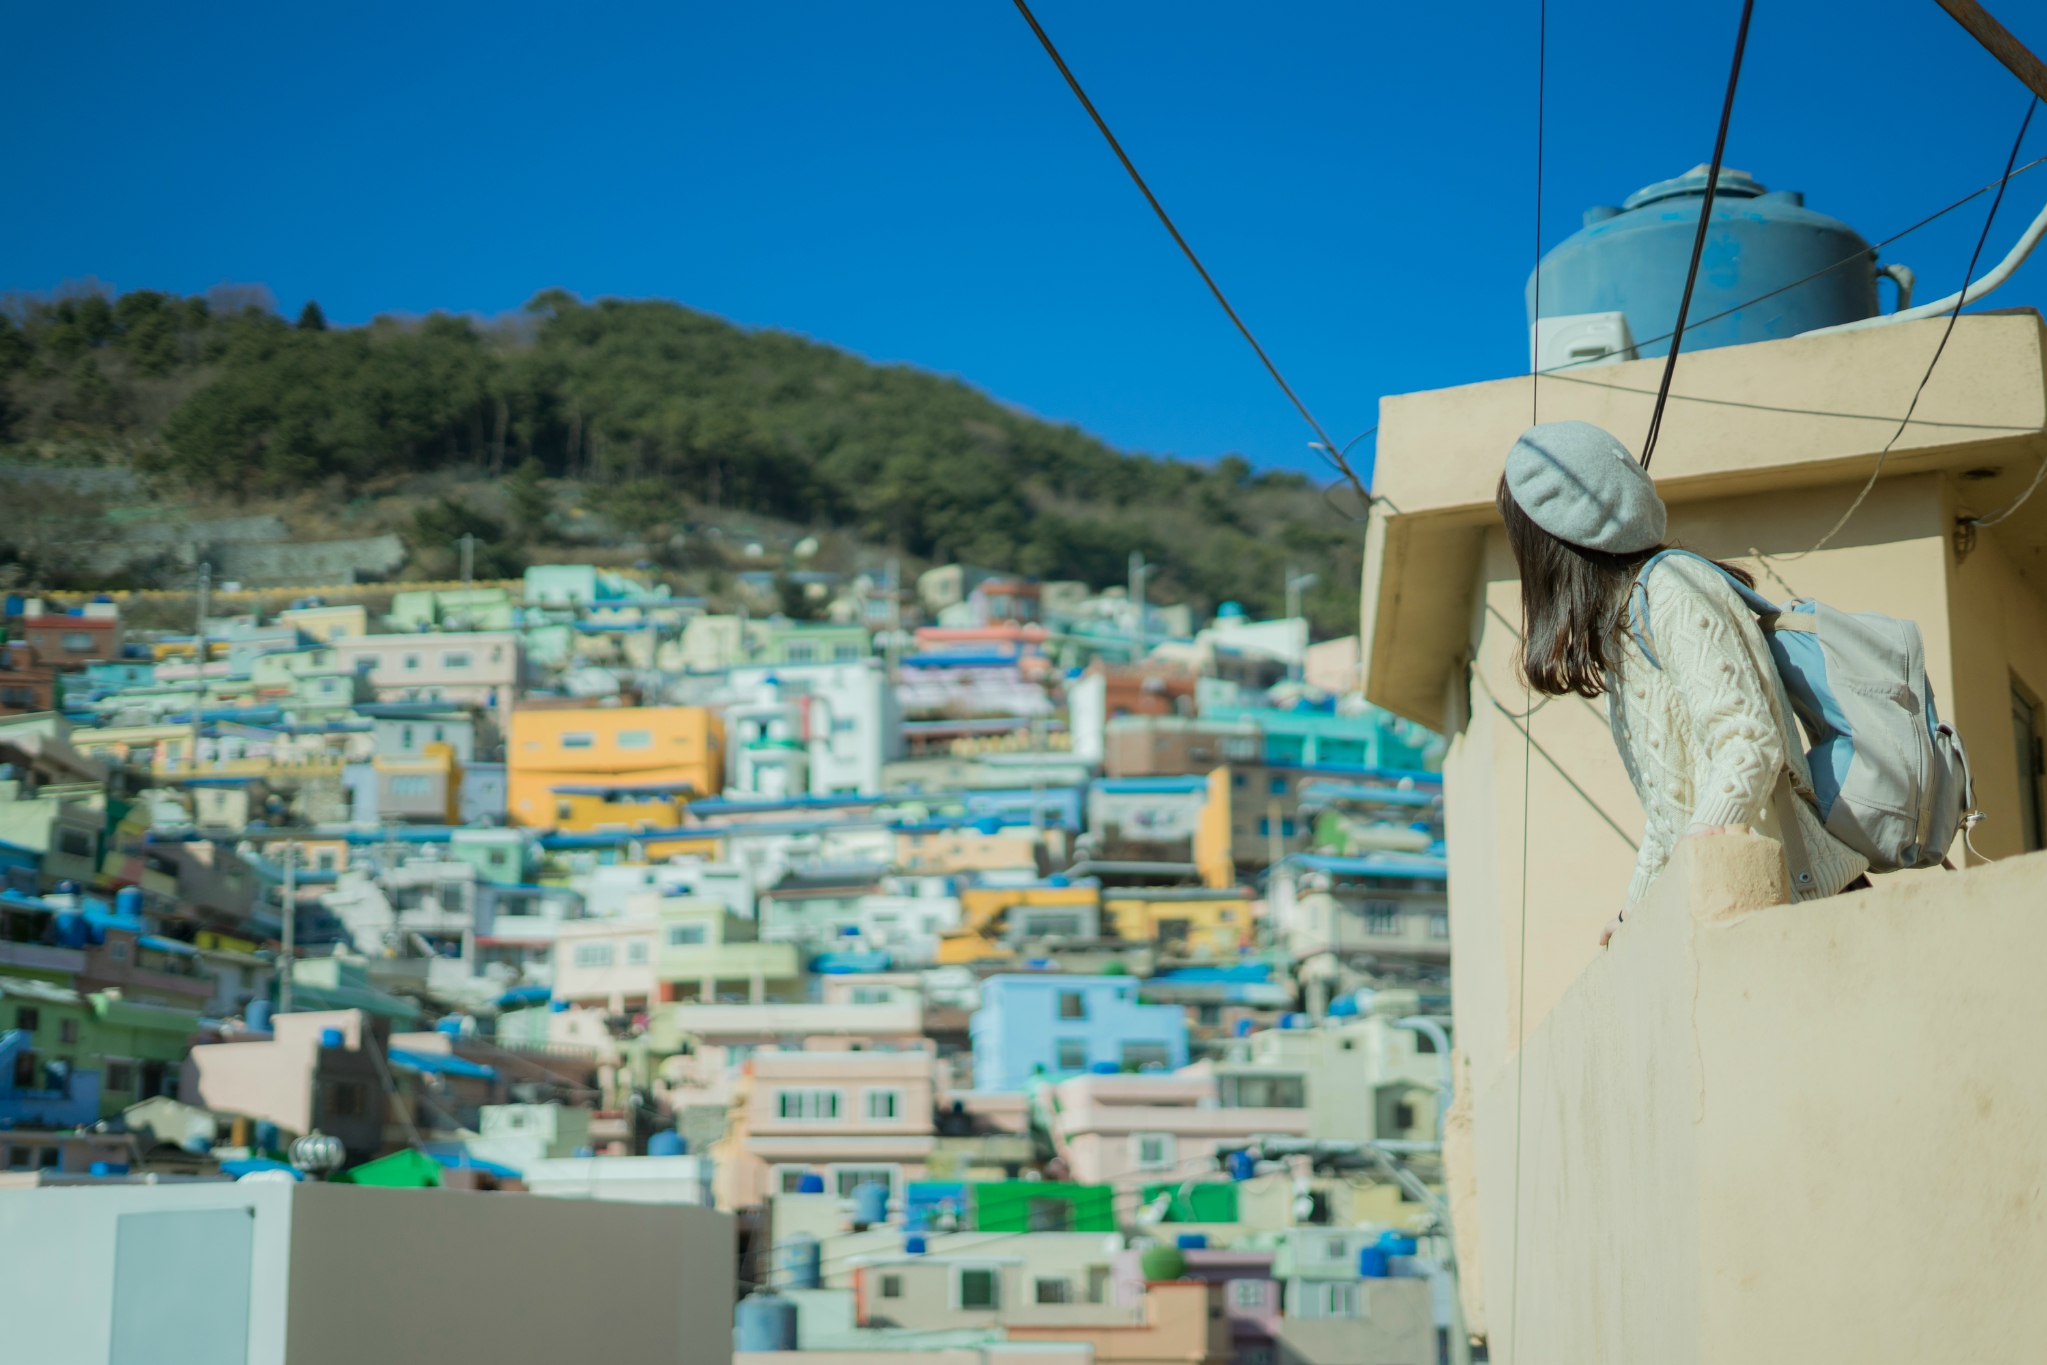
(809, 1104)
(959, 1288)
(882, 1097)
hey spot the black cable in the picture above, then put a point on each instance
(1327, 445)
(1954, 316)
(1677, 337)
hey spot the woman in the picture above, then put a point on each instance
(1703, 735)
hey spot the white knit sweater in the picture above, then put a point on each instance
(1704, 736)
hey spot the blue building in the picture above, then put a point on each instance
(1058, 1026)
(1308, 737)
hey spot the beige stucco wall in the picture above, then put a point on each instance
(1789, 1134)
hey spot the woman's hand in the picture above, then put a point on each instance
(1608, 932)
(1692, 829)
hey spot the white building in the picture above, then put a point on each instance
(843, 716)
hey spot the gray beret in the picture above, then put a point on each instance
(1579, 483)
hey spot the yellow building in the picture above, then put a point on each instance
(328, 623)
(1190, 922)
(992, 918)
(622, 765)
(967, 850)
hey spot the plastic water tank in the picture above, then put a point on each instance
(1632, 259)
(667, 1142)
(1372, 1263)
(128, 902)
(870, 1203)
(810, 1182)
(257, 1016)
(1192, 1241)
(1396, 1244)
(764, 1322)
(799, 1261)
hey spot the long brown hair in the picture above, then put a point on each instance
(1572, 604)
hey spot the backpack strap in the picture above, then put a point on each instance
(1796, 860)
(1638, 600)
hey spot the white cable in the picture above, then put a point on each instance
(1997, 276)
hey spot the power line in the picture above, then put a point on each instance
(1699, 240)
(1327, 446)
(1952, 318)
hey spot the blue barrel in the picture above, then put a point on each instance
(764, 1322)
(1192, 1241)
(1632, 260)
(667, 1142)
(799, 1262)
(870, 1203)
(1372, 1263)
(1396, 1244)
(810, 1182)
(128, 902)
(257, 1016)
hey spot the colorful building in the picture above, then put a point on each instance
(612, 753)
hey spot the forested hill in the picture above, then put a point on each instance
(662, 408)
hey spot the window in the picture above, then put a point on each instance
(1247, 1293)
(343, 1099)
(1439, 924)
(593, 954)
(412, 661)
(891, 1286)
(1279, 786)
(635, 739)
(49, 1157)
(405, 736)
(1055, 1291)
(17, 696)
(1072, 1054)
(1098, 1284)
(636, 952)
(67, 1030)
(845, 652)
(1072, 1005)
(455, 660)
(578, 739)
(120, 1077)
(798, 652)
(18, 1158)
(2032, 765)
(789, 1179)
(884, 1104)
(1139, 1055)
(1263, 1092)
(409, 784)
(78, 641)
(75, 842)
(687, 935)
(368, 662)
(1325, 1299)
(846, 1179)
(1056, 926)
(873, 995)
(27, 1018)
(1403, 1115)
(1382, 918)
(807, 1104)
(1152, 1151)
(978, 1289)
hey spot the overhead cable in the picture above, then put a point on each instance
(1912, 407)
(1330, 450)
(1684, 304)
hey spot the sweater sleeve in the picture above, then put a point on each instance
(1697, 621)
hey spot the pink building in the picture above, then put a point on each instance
(1135, 1130)
(476, 668)
(851, 1117)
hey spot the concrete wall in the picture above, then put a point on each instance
(339, 1274)
(1760, 1132)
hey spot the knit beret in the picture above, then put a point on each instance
(1579, 483)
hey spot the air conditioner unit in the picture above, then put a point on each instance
(1582, 339)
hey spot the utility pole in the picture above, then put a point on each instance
(894, 652)
(199, 663)
(291, 916)
(1295, 583)
(1137, 567)
(468, 544)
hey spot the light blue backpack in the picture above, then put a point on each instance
(1889, 777)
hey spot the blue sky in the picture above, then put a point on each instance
(914, 182)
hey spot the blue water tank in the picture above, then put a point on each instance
(810, 1182)
(128, 902)
(764, 1322)
(1396, 1244)
(913, 1246)
(1192, 1241)
(257, 1016)
(799, 1261)
(1632, 260)
(870, 1203)
(331, 1037)
(667, 1142)
(1372, 1263)
(1242, 1165)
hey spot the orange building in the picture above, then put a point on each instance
(624, 766)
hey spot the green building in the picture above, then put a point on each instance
(1041, 1206)
(136, 1048)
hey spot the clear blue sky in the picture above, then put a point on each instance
(913, 181)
